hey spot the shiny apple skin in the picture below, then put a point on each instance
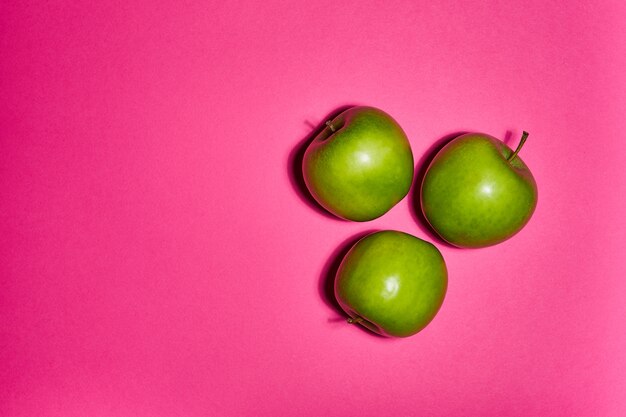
(392, 283)
(363, 168)
(473, 197)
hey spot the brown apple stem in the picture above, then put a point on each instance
(330, 125)
(355, 320)
(519, 147)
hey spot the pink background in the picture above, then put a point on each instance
(158, 256)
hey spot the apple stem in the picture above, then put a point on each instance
(355, 320)
(330, 125)
(519, 147)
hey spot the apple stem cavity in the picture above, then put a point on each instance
(519, 147)
(355, 320)
(330, 126)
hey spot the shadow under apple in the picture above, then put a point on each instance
(414, 195)
(294, 165)
(326, 286)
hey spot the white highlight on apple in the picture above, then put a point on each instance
(391, 287)
(486, 189)
(364, 157)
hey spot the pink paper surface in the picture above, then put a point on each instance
(158, 256)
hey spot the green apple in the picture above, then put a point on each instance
(360, 165)
(477, 192)
(391, 283)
